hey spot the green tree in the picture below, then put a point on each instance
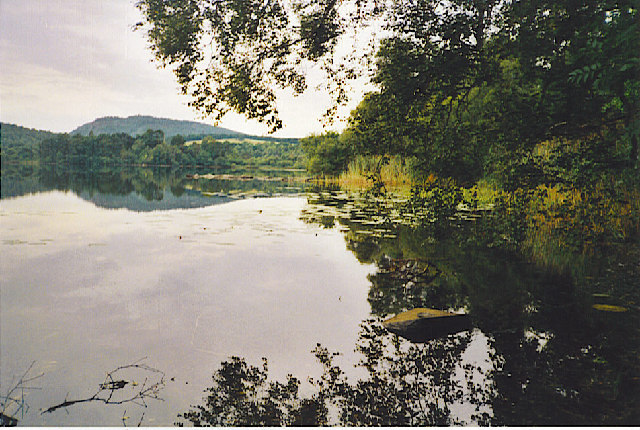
(565, 68)
(165, 154)
(326, 154)
(177, 140)
(259, 46)
(584, 56)
(151, 138)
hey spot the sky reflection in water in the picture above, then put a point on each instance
(85, 290)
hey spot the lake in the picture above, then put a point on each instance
(165, 272)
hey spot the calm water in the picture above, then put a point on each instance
(102, 271)
(86, 289)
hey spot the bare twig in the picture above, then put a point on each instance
(112, 390)
(14, 402)
(141, 418)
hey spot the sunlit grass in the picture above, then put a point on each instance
(564, 221)
(395, 175)
(483, 192)
(557, 223)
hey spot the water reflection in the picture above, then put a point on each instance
(405, 385)
(556, 359)
(255, 278)
(185, 288)
(145, 189)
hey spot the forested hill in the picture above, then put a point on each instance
(15, 134)
(138, 124)
(20, 142)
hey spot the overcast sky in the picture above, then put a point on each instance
(66, 62)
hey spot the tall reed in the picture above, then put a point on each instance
(395, 173)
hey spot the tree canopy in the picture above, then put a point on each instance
(233, 54)
(459, 84)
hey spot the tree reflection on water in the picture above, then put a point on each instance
(143, 189)
(406, 385)
(558, 354)
(555, 358)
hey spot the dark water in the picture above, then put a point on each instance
(106, 269)
(563, 341)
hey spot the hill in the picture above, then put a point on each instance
(21, 144)
(18, 142)
(138, 124)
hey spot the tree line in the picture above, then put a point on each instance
(151, 149)
(522, 91)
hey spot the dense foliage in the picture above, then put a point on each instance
(20, 143)
(326, 154)
(471, 89)
(149, 148)
(484, 107)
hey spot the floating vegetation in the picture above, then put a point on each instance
(365, 232)
(380, 216)
(14, 242)
(609, 308)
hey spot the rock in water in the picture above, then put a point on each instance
(423, 324)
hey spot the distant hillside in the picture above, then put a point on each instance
(18, 142)
(21, 144)
(138, 124)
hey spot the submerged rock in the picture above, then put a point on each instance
(423, 324)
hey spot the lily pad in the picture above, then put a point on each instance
(609, 308)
